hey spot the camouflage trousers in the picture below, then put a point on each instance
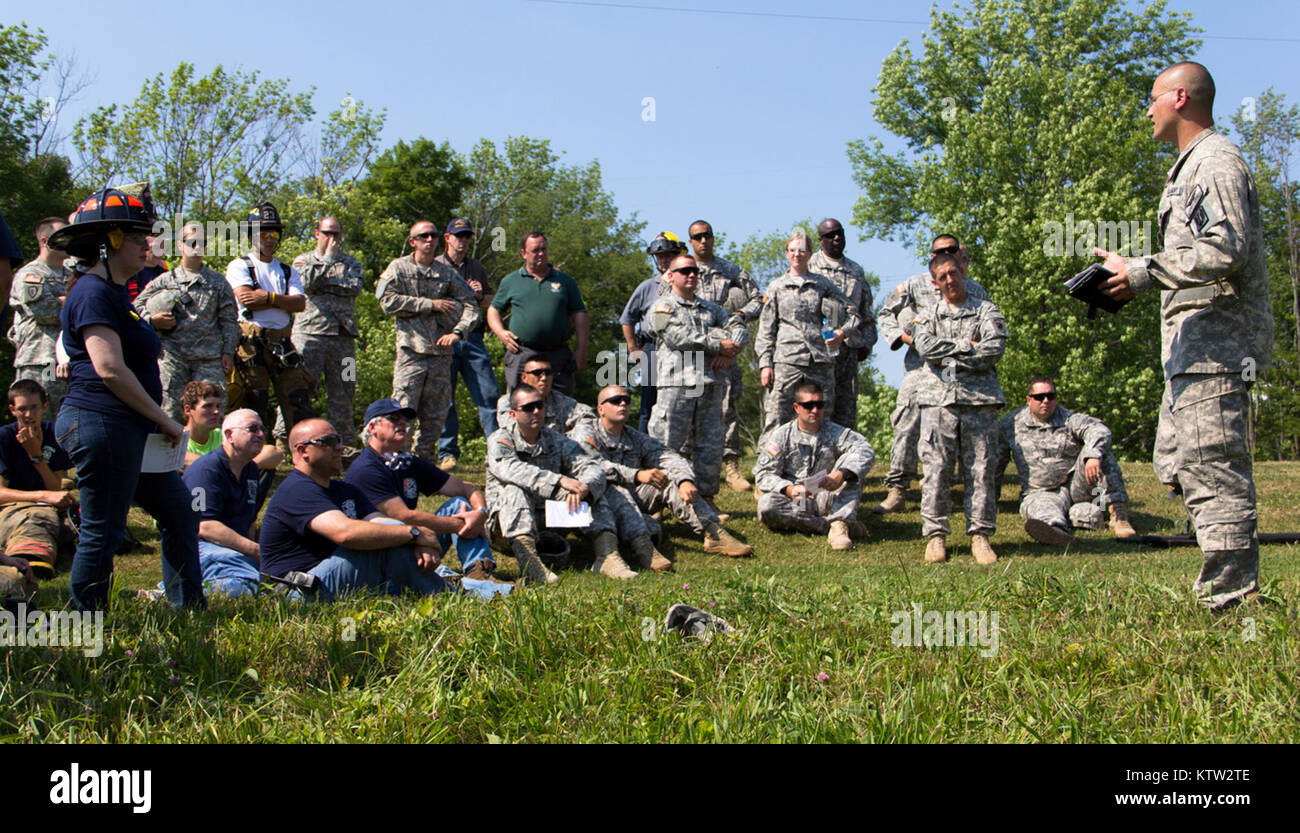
(176, 373)
(813, 514)
(55, 388)
(732, 383)
(846, 389)
(968, 433)
(778, 404)
(696, 514)
(1075, 503)
(30, 530)
(1209, 420)
(629, 521)
(332, 359)
(904, 462)
(1165, 458)
(686, 420)
(518, 512)
(423, 381)
(266, 358)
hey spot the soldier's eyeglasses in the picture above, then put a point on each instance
(946, 250)
(428, 235)
(530, 407)
(704, 235)
(1042, 397)
(833, 233)
(811, 405)
(621, 399)
(326, 441)
(689, 270)
(541, 371)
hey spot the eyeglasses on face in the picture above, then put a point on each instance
(811, 405)
(530, 407)
(620, 399)
(946, 250)
(704, 235)
(1043, 397)
(324, 441)
(252, 429)
(425, 235)
(329, 232)
(686, 270)
(540, 371)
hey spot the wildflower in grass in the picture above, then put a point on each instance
(822, 676)
(171, 663)
(686, 587)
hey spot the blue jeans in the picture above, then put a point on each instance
(107, 450)
(470, 361)
(226, 571)
(468, 550)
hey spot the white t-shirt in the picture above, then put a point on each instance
(269, 279)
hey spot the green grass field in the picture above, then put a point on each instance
(1103, 643)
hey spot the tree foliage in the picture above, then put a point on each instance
(1024, 132)
(1268, 131)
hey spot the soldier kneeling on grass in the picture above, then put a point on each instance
(1063, 460)
(810, 445)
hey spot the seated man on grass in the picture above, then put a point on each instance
(393, 480)
(32, 465)
(201, 407)
(320, 533)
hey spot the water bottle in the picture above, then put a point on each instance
(828, 333)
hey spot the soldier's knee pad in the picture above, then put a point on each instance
(1087, 516)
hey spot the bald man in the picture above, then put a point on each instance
(1216, 331)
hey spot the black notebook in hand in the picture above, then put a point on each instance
(1086, 286)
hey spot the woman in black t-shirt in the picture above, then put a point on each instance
(114, 391)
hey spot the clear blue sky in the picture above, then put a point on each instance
(753, 106)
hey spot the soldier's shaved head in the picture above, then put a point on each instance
(308, 429)
(1194, 78)
(610, 390)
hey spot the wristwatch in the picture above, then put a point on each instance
(415, 533)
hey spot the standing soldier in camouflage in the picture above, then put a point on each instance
(268, 293)
(1063, 459)
(563, 413)
(695, 341)
(640, 346)
(913, 295)
(326, 332)
(790, 344)
(730, 287)
(37, 298)
(805, 446)
(960, 339)
(527, 465)
(651, 476)
(850, 278)
(1217, 330)
(470, 358)
(194, 311)
(434, 310)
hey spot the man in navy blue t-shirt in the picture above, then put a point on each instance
(323, 527)
(393, 480)
(224, 483)
(32, 465)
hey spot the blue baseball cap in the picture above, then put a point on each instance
(459, 226)
(384, 407)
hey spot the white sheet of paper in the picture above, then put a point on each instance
(811, 483)
(558, 515)
(160, 457)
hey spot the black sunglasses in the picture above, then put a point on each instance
(329, 232)
(325, 441)
(428, 235)
(1042, 396)
(704, 235)
(531, 407)
(946, 250)
(811, 404)
(686, 270)
(620, 399)
(831, 233)
(541, 371)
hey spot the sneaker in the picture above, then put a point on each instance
(1045, 533)
(839, 536)
(447, 463)
(936, 551)
(721, 542)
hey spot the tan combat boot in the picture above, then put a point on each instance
(895, 501)
(608, 561)
(720, 541)
(839, 536)
(1119, 522)
(731, 473)
(936, 552)
(981, 549)
(648, 556)
(448, 463)
(531, 568)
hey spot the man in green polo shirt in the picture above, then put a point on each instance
(545, 308)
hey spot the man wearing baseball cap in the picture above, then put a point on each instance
(470, 358)
(393, 480)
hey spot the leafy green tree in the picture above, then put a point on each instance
(523, 187)
(1268, 131)
(1024, 132)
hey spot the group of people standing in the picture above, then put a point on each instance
(267, 324)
